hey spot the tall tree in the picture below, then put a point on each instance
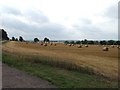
(66, 42)
(111, 42)
(3, 35)
(16, 39)
(36, 40)
(13, 38)
(103, 42)
(21, 38)
(46, 40)
(90, 42)
(78, 42)
(72, 42)
(85, 41)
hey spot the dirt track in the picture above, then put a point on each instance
(12, 78)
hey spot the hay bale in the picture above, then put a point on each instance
(72, 45)
(55, 44)
(79, 46)
(105, 48)
(41, 44)
(69, 44)
(118, 46)
(86, 45)
(51, 44)
(45, 44)
(112, 46)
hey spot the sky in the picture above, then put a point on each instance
(60, 19)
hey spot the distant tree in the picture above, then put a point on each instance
(85, 41)
(13, 38)
(21, 38)
(16, 39)
(3, 35)
(90, 42)
(82, 42)
(46, 40)
(118, 42)
(111, 42)
(72, 42)
(66, 42)
(96, 42)
(103, 42)
(78, 42)
(36, 40)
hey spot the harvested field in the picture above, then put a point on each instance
(93, 57)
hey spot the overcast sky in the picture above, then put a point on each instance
(60, 19)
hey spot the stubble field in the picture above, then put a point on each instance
(92, 59)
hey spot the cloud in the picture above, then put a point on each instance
(98, 31)
(10, 10)
(31, 22)
(111, 12)
(36, 16)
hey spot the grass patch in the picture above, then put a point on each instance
(62, 78)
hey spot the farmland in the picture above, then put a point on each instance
(90, 60)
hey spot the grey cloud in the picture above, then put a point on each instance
(32, 15)
(36, 16)
(33, 23)
(14, 23)
(91, 31)
(43, 27)
(10, 10)
(94, 32)
(86, 21)
(83, 22)
(111, 12)
(55, 31)
(29, 31)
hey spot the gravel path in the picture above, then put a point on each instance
(13, 78)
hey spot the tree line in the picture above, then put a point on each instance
(4, 36)
(16, 39)
(102, 42)
(35, 39)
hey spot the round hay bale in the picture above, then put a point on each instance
(86, 45)
(105, 48)
(41, 44)
(51, 44)
(79, 46)
(45, 44)
(69, 44)
(55, 44)
(72, 45)
(118, 46)
(112, 46)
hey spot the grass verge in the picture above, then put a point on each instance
(62, 78)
